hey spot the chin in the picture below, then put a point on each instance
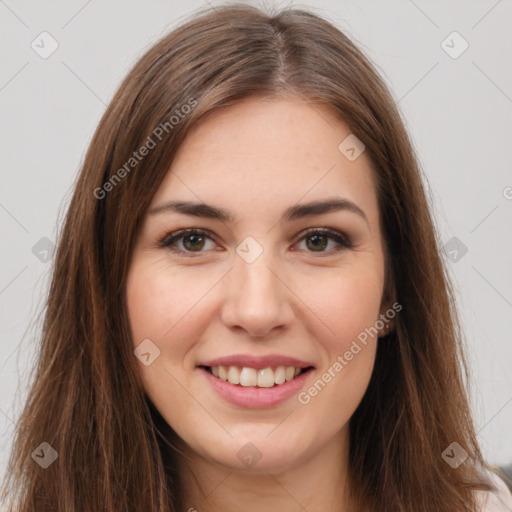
(258, 452)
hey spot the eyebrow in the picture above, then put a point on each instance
(293, 213)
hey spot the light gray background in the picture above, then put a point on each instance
(457, 110)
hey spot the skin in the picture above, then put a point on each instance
(256, 159)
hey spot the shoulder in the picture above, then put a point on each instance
(498, 501)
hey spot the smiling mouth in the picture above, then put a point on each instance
(259, 378)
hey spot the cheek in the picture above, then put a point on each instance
(160, 307)
(163, 304)
(348, 305)
(149, 303)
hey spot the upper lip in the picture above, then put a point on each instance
(257, 362)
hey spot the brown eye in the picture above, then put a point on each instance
(317, 240)
(186, 242)
(195, 242)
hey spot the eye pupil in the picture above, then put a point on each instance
(194, 244)
(318, 238)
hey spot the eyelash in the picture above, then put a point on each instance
(170, 238)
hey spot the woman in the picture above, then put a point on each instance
(248, 305)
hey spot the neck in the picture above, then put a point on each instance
(316, 484)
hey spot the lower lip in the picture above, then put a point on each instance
(253, 397)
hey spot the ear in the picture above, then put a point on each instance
(387, 316)
(388, 307)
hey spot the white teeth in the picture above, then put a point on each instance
(280, 375)
(263, 378)
(248, 376)
(223, 373)
(233, 375)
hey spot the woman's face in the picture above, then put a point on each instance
(259, 291)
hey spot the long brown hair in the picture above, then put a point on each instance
(87, 401)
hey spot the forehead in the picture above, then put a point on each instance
(263, 154)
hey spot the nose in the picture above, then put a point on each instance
(257, 298)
